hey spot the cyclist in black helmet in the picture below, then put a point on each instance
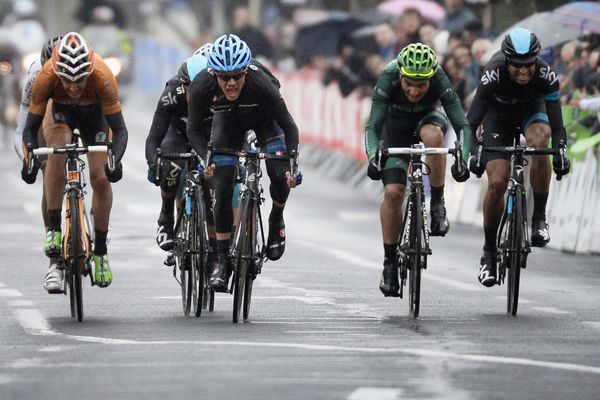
(518, 92)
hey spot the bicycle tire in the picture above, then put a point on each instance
(199, 254)
(185, 275)
(251, 248)
(75, 258)
(516, 253)
(241, 259)
(415, 259)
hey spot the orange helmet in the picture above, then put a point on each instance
(73, 57)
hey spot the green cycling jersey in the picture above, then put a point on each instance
(390, 101)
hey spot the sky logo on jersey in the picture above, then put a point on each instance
(490, 76)
(549, 75)
(169, 99)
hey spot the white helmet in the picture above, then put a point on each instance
(73, 58)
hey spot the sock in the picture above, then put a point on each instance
(100, 242)
(539, 205)
(276, 214)
(223, 249)
(167, 206)
(437, 193)
(490, 233)
(54, 217)
(390, 252)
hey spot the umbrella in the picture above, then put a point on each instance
(323, 38)
(428, 9)
(550, 34)
(583, 15)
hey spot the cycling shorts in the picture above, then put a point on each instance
(404, 132)
(89, 119)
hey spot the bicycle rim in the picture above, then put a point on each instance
(516, 254)
(75, 258)
(252, 230)
(200, 243)
(414, 271)
(241, 260)
(185, 274)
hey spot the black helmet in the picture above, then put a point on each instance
(46, 52)
(521, 45)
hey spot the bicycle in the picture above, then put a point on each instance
(413, 246)
(191, 244)
(513, 237)
(78, 235)
(249, 249)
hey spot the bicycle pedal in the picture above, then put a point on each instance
(392, 295)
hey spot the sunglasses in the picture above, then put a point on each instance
(517, 64)
(235, 77)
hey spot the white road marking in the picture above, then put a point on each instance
(375, 393)
(2, 285)
(22, 303)
(35, 323)
(593, 324)
(551, 310)
(353, 216)
(359, 261)
(7, 292)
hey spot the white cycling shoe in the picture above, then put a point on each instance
(54, 279)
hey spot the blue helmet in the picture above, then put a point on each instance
(521, 44)
(194, 64)
(229, 53)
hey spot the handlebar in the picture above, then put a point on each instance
(523, 150)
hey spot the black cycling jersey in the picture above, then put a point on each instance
(259, 104)
(497, 91)
(171, 111)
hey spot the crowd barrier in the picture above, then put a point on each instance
(332, 138)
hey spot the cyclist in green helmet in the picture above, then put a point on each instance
(404, 111)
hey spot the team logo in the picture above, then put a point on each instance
(100, 137)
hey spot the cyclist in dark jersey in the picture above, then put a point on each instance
(168, 132)
(517, 93)
(243, 97)
(404, 111)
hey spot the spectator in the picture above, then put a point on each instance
(457, 76)
(478, 49)
(253, 36)
(410, 22)
(465, 61)
(348, 69)
(428, 31)
(457, 15)
(386, 41)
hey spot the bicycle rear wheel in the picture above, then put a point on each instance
(515, 258)
(75, 258)
(242, 258)
(415, 258)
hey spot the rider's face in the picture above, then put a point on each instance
(414, 89)
(74, 89)
(521, 73)
(231, 84)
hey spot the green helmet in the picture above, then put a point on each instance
(417, 61)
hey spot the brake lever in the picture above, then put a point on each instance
(158, 163)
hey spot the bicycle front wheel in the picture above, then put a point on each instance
(515, 258)
(252, 251)
(75, 257)
(242, 257)
(183, 262)
(416, 254)
(199, 254)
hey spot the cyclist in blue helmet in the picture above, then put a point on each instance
(518, 94)
(168, 132)
(244, 96)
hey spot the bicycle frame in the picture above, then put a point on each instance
(191, 238)
(78, 236)
(513, 234)
(414, 241)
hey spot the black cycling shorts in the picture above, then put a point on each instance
(89, 119)
(404, 132)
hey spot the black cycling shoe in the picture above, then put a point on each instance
(389, 284)
(539, 232)
(487, 269)
(439, 220)
(170, 260)
(164, 232)
(219, 278)
(276, 240)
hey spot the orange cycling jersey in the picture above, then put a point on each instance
(101, 87)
